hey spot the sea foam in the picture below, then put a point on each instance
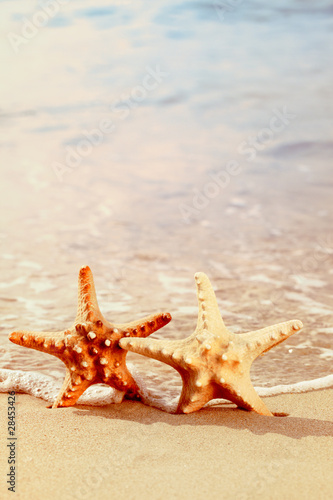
(159, 395)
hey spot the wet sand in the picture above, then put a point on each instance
(131, 451)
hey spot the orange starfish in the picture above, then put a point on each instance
(214, 362)
(90, 348)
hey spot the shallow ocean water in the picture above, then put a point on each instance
(154, 141)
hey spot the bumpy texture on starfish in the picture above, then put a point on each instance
(90, 347)
(213, 362)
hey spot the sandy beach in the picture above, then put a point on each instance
(151, 141)
(132, 451)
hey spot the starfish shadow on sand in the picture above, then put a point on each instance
(230, 417)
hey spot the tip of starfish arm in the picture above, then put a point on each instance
(199, 275)
(16, 337)
(12, 336)
(297, 324)
(166, 317)
(85, 269)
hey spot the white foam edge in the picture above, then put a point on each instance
(47, 388)
(304, 386)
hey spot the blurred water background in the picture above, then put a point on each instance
(152, 140)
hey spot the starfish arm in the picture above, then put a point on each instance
(244, 396)
(162, 350)
(74, 385)
(193, 398)
(261, 341)
(251, 401)
(49, 342)
(147, 325)
(87, 307)
(209, 316)
(124, 382)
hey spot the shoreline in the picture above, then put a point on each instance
(30, 383)
(134, 451)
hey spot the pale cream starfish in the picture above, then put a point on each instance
(90, 348)
(214, 362)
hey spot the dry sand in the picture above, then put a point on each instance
(131, 451)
